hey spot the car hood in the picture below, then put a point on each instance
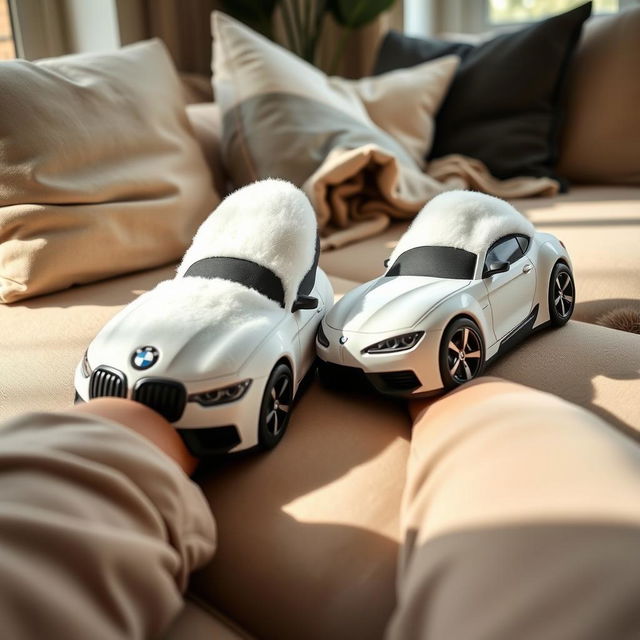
(201, 329)
(390, 303)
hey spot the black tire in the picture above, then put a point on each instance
(462, 336)
(275, 407)
(562, 295)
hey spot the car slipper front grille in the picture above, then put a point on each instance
(106, 381)
(166, 397)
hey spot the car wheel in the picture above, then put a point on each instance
(275, 407)
(462, 353)
(562, 295)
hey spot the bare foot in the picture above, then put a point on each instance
(417, 408)
(146, 422)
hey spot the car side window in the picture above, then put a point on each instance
(523, 241)
(507, 250)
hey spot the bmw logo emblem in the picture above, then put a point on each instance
(343, 339)
(144, 357)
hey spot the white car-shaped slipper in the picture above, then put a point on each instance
(221, 349)
(468, 280)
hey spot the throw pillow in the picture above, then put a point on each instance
(503, 105)
(601, 137)
(206, 122)
(282, 116)
(100, 173)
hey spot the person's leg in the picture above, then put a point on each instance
(100, 526)
(521, 519)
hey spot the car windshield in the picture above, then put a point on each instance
(435, 262)
(245, 272)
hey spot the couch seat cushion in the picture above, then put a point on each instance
(599, 225)
(308, 534)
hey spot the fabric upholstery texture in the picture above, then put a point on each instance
(100, 171)
(503, 105)
(601, 132)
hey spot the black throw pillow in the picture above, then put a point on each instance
(503, 106)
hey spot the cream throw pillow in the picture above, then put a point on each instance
(100, 173)
(282, 117)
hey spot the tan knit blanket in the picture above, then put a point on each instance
(357, 192)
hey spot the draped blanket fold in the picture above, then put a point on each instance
(357, 192)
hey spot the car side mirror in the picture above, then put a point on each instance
(496, 267)
(304, 302)
(386, 262)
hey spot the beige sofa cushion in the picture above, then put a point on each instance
(601, 138)
(308, 534)
(100, 173)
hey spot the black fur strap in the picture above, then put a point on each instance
(244, 272)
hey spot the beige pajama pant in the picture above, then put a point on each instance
(521, 519)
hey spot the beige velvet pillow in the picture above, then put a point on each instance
(282, 117)
(601, 136)
(100, 173)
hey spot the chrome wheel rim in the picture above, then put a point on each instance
(563, 294)
(464, 354)
(279, 405)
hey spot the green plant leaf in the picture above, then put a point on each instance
(354, 14)
(257, 14)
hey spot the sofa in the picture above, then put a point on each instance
(309, 533)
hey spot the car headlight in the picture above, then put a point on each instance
(221, 396)
(397, 343)
(86, 367)
(322, 338)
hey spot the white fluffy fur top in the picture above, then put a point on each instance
(270, 222)
(464, 220)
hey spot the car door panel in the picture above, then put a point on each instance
(510, 293)
(308, 321)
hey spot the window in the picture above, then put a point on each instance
(437, 17)
(507, 250)
(510, 11)
(7, 46)
(435, 262)
(523, 241)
